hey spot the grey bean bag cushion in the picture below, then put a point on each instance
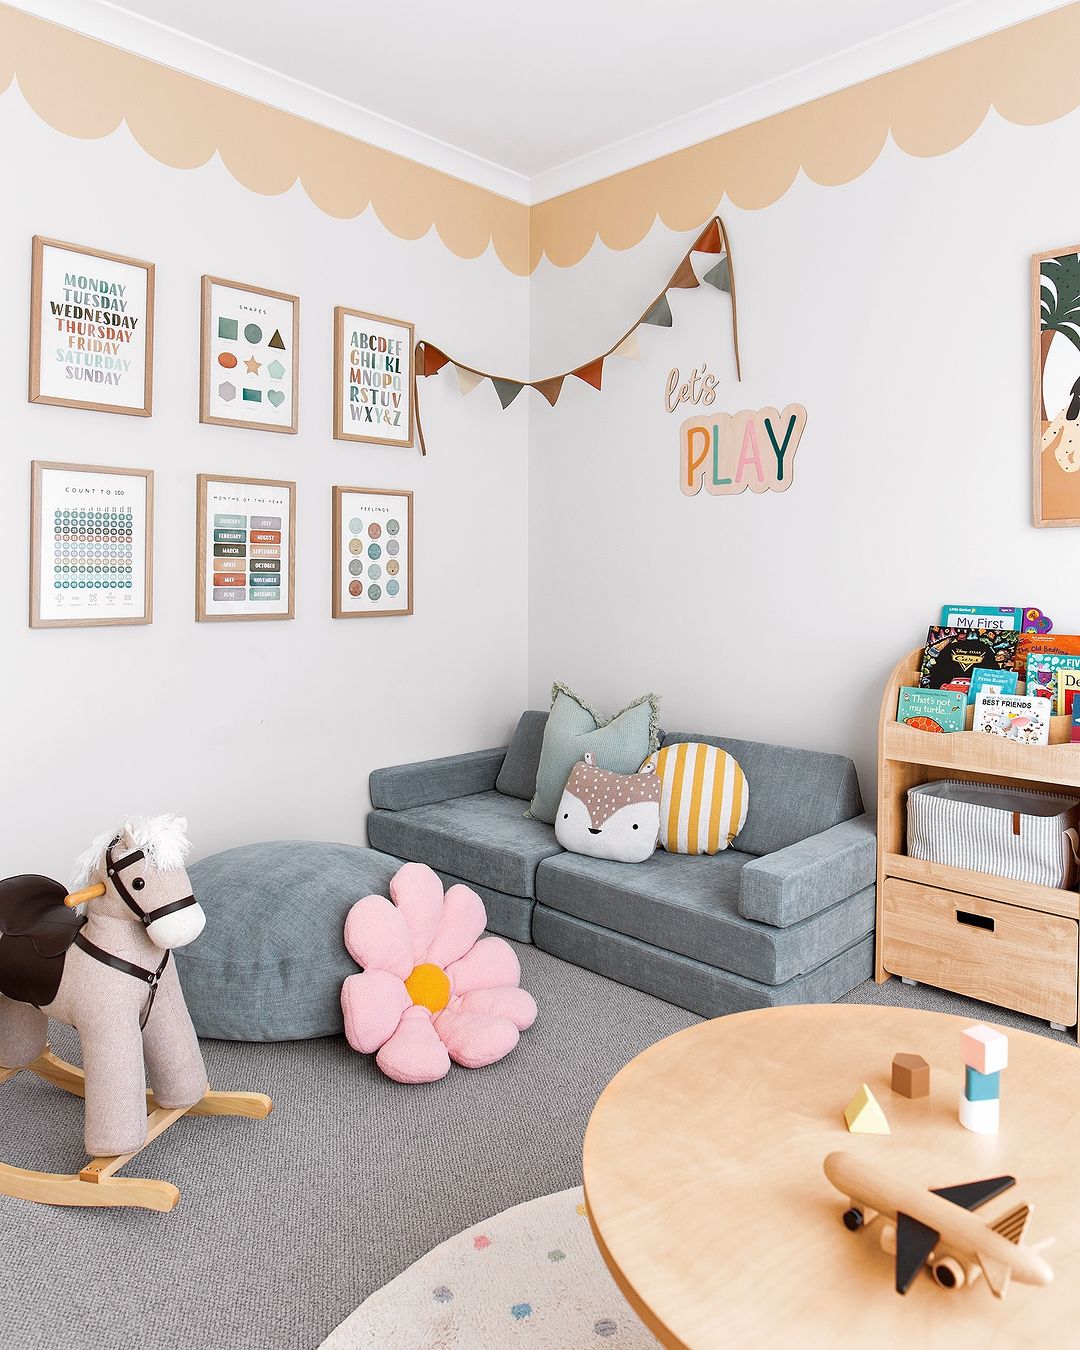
(271, 961)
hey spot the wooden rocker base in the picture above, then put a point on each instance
(97, 1183)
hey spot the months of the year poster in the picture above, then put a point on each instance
(245, 548)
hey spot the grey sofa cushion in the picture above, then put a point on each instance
(517, 777)
(701, 988)
(435, 780)
(484, 839)
(789, 885)
(793, 793)
(689, 905)
(271, 961)
(508, 915)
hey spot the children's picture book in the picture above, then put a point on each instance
(1019, 618)
(1041, 669)
(1016, 717)
(1029, 644)
(931, 709)
(951, 654)
(993, 681)
(1074, 729)
(1066, 687)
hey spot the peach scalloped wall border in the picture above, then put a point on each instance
(929, 108)
(182, 121)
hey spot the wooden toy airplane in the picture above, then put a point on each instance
(935, 1228)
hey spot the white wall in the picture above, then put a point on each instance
(255, 730)
(895, 308)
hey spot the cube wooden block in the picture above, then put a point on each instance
(984, 1049)
(910, 1075)
(981, 1087)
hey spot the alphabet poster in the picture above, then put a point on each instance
(250, 356)
(245, 551)
(373, 552)
(373, 378)
(91, 329)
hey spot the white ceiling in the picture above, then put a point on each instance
(533, 101)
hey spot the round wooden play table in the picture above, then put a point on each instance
(705, 1190)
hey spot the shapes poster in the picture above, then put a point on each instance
(250, 357)
(373, 552)
(91, 329)
(91, 545)
(373, 378)
(245, 548)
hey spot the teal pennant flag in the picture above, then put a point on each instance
(660, 314)
(719, 276)
(507, 390)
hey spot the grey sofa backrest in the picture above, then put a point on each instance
(793, 793)
(517, 777)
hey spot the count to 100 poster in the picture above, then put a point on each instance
(91, 329)
(373, 552)
(245, 548)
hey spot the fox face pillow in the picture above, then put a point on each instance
(609, 815)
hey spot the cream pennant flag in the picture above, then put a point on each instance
(467, 380)
(628, 348)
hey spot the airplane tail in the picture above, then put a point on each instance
(1014, 1224)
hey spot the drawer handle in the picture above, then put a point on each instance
(975, 920)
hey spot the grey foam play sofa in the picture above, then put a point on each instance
(784, 916)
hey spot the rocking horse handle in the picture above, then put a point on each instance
(87, 893)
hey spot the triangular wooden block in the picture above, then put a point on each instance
(863, 1114)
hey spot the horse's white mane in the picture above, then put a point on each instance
(162, 838)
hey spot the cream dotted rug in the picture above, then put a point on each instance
(531, 1276)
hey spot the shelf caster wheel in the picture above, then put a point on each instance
(1058, 1026)
(904, 980)
(853, 1219)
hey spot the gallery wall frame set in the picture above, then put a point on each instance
(91, 329)
(250, 357)
(374, 378)
(91, 545)
(373, 552)
(245, 548)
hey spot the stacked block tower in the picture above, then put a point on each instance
(986, 1053)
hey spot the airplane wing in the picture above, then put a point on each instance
(914, 1243)
(972, 1194)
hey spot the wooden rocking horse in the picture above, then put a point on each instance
(93, 959)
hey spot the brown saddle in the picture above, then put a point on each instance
(36, 930)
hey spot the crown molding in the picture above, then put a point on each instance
(118, 27)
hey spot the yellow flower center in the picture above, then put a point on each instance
(429, 987)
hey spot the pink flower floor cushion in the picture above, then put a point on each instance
(430, 991)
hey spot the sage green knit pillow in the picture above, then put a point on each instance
(619, 744)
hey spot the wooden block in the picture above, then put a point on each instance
(910, 1075)
(984, 1049)
(981, 1087)
(863, 1114)
(980, 1117)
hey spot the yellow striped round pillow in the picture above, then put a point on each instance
(703, 797)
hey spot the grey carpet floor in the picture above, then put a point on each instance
(287, 1224)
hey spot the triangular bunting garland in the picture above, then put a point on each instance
(660, 314)
(551, 389)
(467, 380)
(685, 277)
(628, 348)
(432, 359)
(507, 390)
(711, 240)
(719, 276)
(592, 373)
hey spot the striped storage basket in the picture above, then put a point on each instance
(1024, 836)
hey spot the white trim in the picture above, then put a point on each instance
(961, 23)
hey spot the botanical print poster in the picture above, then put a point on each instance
(91, 532)
(373, 553)
(250, 365)
(91, 329)
(1056, 366)
(373, 378)
(245, 548)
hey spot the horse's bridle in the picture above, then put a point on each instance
(113, 868)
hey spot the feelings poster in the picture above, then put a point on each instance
(373, 378)
(373, 532)
(245, 550)
(91, 532)
(91, 329)
(250, 341)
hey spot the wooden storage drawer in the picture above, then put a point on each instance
(1016, 958)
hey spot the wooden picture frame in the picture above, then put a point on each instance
(256, 311)
(110, 339)
(347, 379)
(96, 550)
(368, 553)
(1055, 351)
(257, 549)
